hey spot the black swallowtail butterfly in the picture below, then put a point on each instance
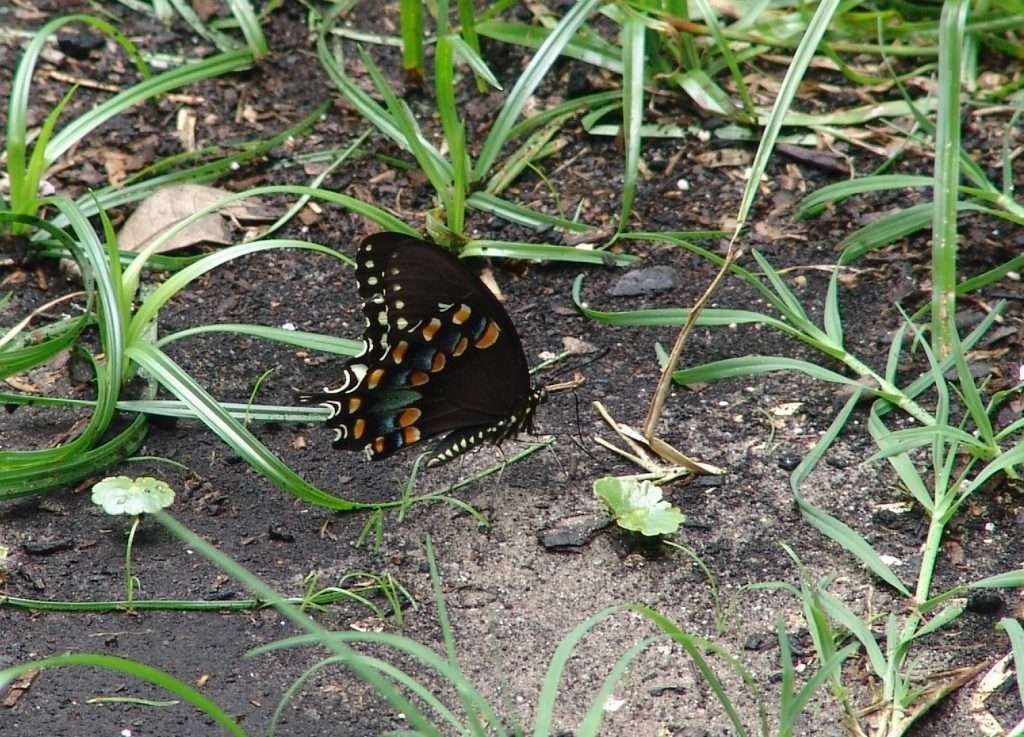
(440, 355)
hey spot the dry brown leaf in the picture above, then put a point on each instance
(170, 205)
(186, 126)
(117, 164)
(577, 346)
(206, 9)
(43, 378)
(18, 687)
(724, 157)
(487, 277)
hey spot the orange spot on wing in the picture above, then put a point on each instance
(398, 352)
(410, 435)
(490, 336)
(461, 346)
(354, 404)
(374, 378)
(461, 315)
(378, 445)
(430, 329)
(438, 363)
(358, 428)
(418, 378)
(408, 417)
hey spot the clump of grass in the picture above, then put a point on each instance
(423, 706)
(25, 170)
(954, 447)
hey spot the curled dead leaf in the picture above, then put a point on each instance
(168, 206)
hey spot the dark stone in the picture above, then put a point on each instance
(49, 547)
(79, 45)
(789, 461)
(987, 603)
(645, 281)
(759, 641)
(572, 532)
(277, 532)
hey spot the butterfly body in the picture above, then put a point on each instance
(440, 355)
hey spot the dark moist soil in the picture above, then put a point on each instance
(511, 599)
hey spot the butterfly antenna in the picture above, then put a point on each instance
(579, 428)
(558, 459)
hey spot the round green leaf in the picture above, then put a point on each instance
(122, 495)
(638, 506)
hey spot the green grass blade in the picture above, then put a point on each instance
(454, 133)
(19, 480)
(524, 87)
(817, 201)
(984, 437)
(633, 67)
(1015, 632)
(832, 319)
(544, 252)
(466, 51)
(694, 647)
(97, 275)
(152, 304)
(365, 105)
(240, 440)
(1008, 580)
(788, 676)
(37, 163)
(842, 614)
(544, 714)
(22, 189)
(901, 463)
(901, 441)
(470, 698)
(162, 173)
(410, 15)
(724, 48)
(15, 360)
(591, 724)
(884, 231)
(174, 408)
(705, 93)
(1006, 460)
(524, 156)
(136, 670)
(221, 40)
(590, 49)
(789, 305)
(947, 177)
(791, 708)
(825, 523)
(300, 338)
(471, 40)
(335, 642)
(376, 214)
(388, 670)
(731, 368)
(573, 105)
(515, 213)
(438, 170)
(250, 25)
(813, 34)
(214, 66)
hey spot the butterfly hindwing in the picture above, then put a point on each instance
(440, 355)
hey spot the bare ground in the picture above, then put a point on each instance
(511, 598)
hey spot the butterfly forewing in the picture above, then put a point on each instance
(440, 355)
